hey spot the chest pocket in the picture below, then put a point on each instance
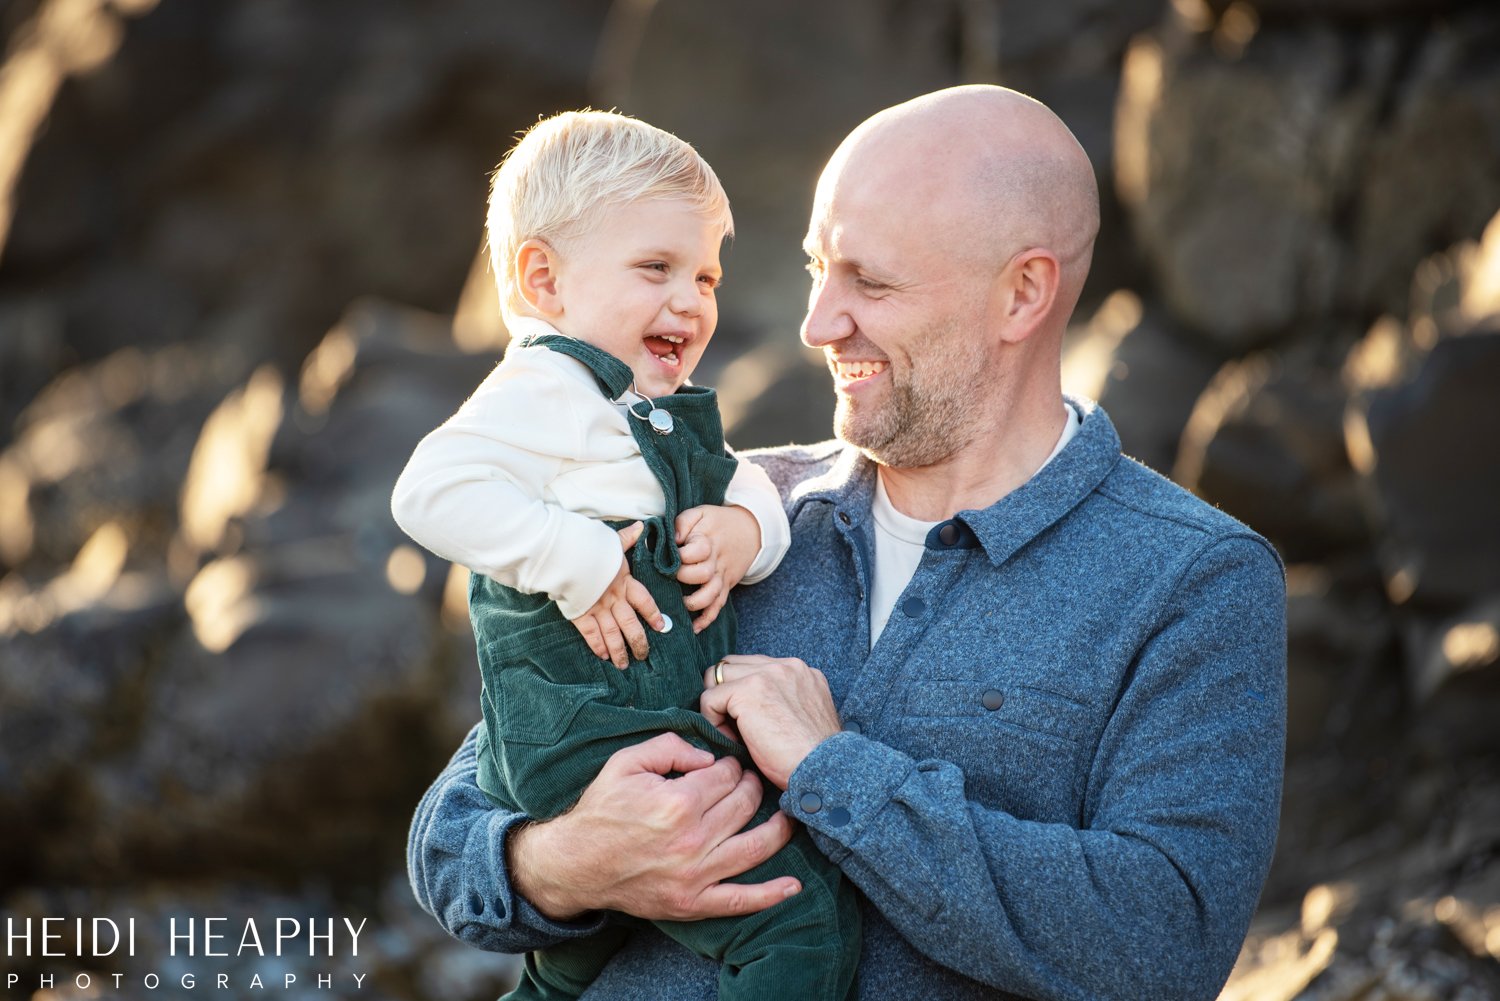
(1018, 746)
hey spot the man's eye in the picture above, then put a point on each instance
(869, 285)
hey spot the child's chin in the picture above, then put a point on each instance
(660, 386)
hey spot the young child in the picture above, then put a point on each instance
(605, 234)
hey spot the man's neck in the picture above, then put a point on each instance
(983, 471)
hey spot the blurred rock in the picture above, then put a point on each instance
(107, 442)
(1343, 10)
(1454, 675)
(1342, 684)
(1146, 373)
(177, 701)
(1432, 170)
(1420, 923)
(1277, 172)
(778, 393)
(1265, 441)
(1423, 432)
(269, 157)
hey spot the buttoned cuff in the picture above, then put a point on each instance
(489, 905)
(840, 788)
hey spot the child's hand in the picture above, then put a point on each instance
(717, 546)
(612, 622)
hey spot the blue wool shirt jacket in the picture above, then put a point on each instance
(1060, 771)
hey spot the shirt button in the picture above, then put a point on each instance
(499, 908)
(811, 802)
(913, 607)
(476, 903)
(992, 699)
(852, 726)
(838, 817)
(948, 534)
(844, 517)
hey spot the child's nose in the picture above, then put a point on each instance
(685, 300)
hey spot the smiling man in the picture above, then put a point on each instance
(1025, 693)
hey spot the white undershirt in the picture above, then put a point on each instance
(900, 541)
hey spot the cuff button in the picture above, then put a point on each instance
(811, 802)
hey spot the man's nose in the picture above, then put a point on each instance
(827, 320)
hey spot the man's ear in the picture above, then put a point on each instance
(1029, 283)
(536, 277)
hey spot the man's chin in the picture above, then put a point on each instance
(873, 442)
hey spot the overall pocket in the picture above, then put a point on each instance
(538, 678)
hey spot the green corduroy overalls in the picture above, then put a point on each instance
(554, 712)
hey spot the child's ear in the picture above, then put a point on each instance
(536, 277)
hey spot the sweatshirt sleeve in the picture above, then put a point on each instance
(472, 490)
(752, 489)
(455, 857)
(1150, 894)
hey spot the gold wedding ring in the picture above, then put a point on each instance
(719, 673)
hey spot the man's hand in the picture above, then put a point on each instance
(717, 546)
(780, 707)
(653, 846)
(611, 622)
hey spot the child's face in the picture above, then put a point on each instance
(641, 286)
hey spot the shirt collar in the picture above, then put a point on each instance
(522, 328)
(1011, 522)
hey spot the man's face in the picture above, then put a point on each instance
(640, 285)
(899, 317)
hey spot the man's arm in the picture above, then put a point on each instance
(1150, 894)
(455, 856)
(637, 842)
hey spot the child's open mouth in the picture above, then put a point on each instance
(664, 347)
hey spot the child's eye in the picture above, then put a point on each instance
(710, 281)
(660, 266)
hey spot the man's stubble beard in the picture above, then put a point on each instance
(928, 415)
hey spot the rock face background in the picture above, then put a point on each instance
(237, 283)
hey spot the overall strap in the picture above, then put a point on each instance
(658, 541)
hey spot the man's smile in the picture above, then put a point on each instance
(848, 374)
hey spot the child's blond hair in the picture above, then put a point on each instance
(567, 170)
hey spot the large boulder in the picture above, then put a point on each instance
(1423, 431)
(1266, 442)
(175, 702)
(208, 161)
(1278, 172)
(1144, 370)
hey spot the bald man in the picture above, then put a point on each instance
(1026, 693)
